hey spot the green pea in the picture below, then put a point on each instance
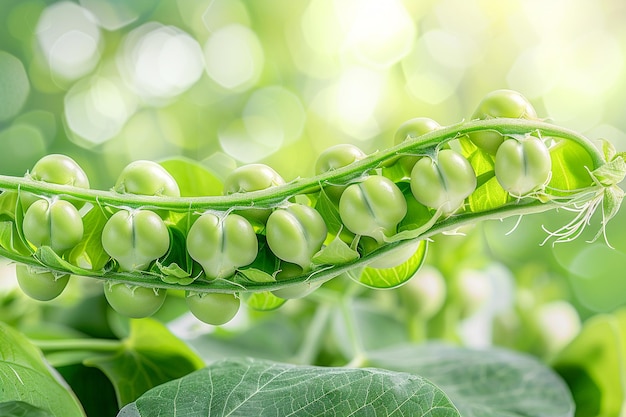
(443, 183)
(252, 177)
(333, 158)
(213, 308)
(500, 103)
(56, 169)
(222, 245)
(135, 238)
(523, 166)
(338, 156)
(414, 128)
(40, 284)
(295, 233)
(134, 301)
(372, 207)
(146, 178)
(54, 223)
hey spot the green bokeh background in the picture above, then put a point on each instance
(229, 82)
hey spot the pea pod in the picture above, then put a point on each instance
(295, 233)
(135, 238)
(54, 223)
(444, 182)
(222, 245)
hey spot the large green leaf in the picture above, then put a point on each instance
(150, 356)
(594, 366)
(22, 409)
(248, 387)
(484, 383)
(25, 377)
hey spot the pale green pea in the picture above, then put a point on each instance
(295, 233)
(443, 183)
(54, 223)
(221, 245)
(372, 207)
(523, 166)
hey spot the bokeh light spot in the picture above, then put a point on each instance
(69, 39)
(380, 32)
(115, 14)
(234, 57)
(22, 146)
(221, 13)
(96, 110)
(251, 138)
(160, 62)
(14, 86)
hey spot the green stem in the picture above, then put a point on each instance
(314, 334)
(353, 333)
(274, 196)
(96, 345)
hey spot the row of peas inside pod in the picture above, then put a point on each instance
(266, 236)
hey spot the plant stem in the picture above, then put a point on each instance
(353, 333)
(96, 345)
(312, 339)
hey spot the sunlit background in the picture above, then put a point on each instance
(230, 82)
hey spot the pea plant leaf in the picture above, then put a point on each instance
(22, 409)
(263, 301)
(27, 382)
(593, 365)
(337, 251)
(150, 356)
(483, 382)
(248, 387)
(89, 251)
(570, 166)
(391, 277)
(193, 179)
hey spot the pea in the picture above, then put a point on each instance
(333, 158)
(252, 177)
(135, 238)
(134, 301)
(499, 103)
(213, 308)
(523, 165)
(372, 207)
(40, 284)
(443, 183)
(54, 223)
(295, 233)
(221, 245)
(414, 128)
(146, 178)
(299, 290)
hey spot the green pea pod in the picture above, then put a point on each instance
(372, 207)
(221, 245)
(443, 183)
(522, 165)
(295, 233)
(54, 223)
(135, 238)
(498, 104)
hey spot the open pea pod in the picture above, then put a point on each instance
(468, 184)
